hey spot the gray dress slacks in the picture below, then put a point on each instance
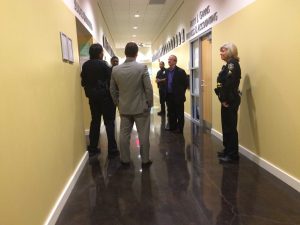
(142, 122)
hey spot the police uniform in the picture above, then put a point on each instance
(161, 74)
(228, 92)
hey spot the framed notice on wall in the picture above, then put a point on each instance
(66, 48)
(70, 50)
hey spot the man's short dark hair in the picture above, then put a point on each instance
(131, 49)
(113, 58)
(95, 51)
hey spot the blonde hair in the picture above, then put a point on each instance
(231, 50)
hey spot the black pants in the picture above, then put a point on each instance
(106, 108)
(229, 119)
(162, 99)
(175, 113)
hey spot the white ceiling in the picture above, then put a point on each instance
(119, 17)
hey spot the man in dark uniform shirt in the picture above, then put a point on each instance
(161, 78)
(114, 61)
(95, 78)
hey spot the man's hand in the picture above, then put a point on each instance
(225, 104)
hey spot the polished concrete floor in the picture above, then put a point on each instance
(185, 185)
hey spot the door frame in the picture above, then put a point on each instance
(199, 122)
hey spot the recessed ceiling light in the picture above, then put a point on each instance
(136, 15)
(133, 35)
(135, 27)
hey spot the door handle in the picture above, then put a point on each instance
(202, 83)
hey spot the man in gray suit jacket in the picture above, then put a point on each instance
(132, 92)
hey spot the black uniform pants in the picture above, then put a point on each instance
(162, 99)
(175, 113)
(229, 120)
(106, 108)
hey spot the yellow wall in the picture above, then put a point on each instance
(155, 69)
(267, 35)
(41, 130)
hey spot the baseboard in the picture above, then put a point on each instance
(61, 201)
(271, 168)
(217, 134)
(188, 116)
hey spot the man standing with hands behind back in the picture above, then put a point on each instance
(131, 90)
(176, 87)
(161, 78)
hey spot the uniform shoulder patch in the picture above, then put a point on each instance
(230, 66)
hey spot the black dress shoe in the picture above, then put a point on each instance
(125, 164)
(178, 131)
(161, 113)
(221, 154)
(170, 129)
(146, 164)
(113, 154)
(93, 151)
(227, 159)
(92, 154)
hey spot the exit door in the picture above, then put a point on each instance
(201, 82)
(206, 83)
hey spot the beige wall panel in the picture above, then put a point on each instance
(155, 69)
(41, 128)
(267, 37)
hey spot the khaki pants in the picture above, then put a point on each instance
(142, 122)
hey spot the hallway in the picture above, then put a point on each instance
(186, 185)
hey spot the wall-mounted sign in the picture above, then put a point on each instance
(66, 48)
(203, 19)
(175, 41)
(82, 14)
(107, 46)
(211, 12)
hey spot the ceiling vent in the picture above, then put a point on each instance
(152, 2)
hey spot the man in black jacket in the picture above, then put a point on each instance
(95, 78)
(176, 86)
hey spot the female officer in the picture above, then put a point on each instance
(228, 93)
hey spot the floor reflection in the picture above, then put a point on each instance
(229, 209)
(185, 185)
